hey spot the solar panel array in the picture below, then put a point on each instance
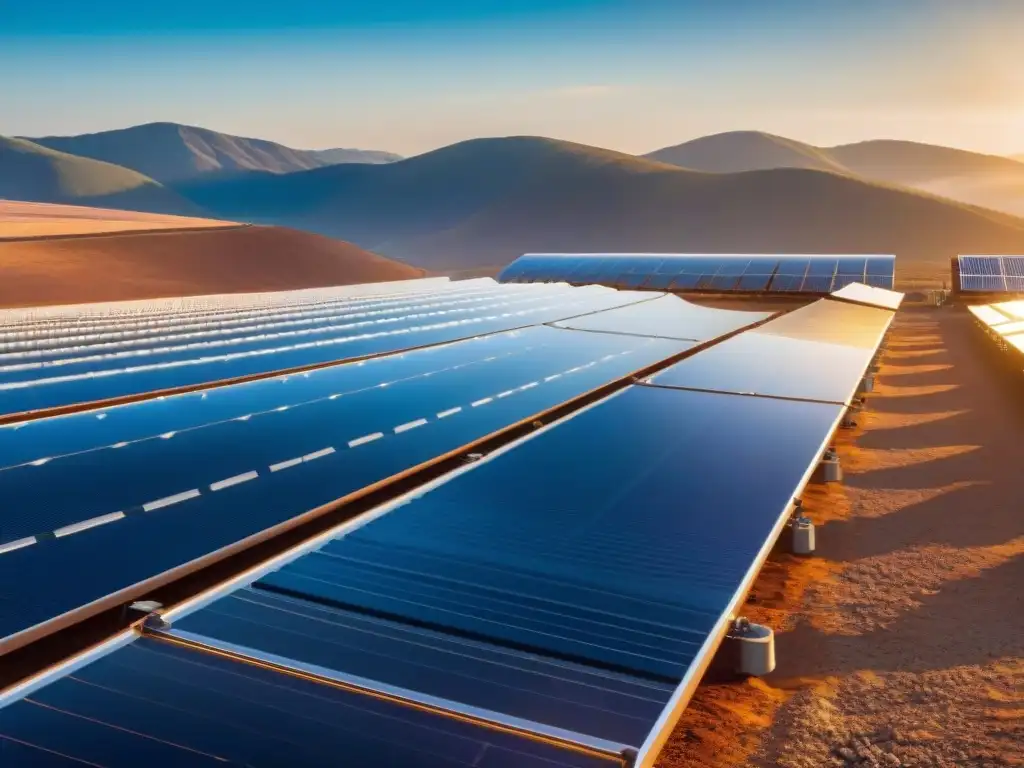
(547, 604)
(1004, 322)
(991, 274)
(716, 273)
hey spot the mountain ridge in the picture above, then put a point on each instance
(173, 152)
(975, 178)
(485, 201)
(34, 173)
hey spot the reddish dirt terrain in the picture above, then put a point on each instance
(901, 643)
(20, 220)
(182, 263)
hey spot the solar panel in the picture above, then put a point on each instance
(611, 567)
(708, 272)
(873, 296)
(153, 703)
(97, 379)
(991, 274)
(264, 453)
(665, 317)
(822, 360)
(579, 698)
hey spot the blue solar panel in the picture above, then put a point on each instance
(980, 265)
(708, 272)
(621, 566)
(981, 283)
(991, 274)
(395, 417)
(787, 283)
(852, 267)
(543, 690)
(152, 703)
(96, 380)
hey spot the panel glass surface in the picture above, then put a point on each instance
(989, 315)
(666, 317)
(625, 556)
(981, 283)
(710, 272)
(756, 363)
(1014, 309)
(27, 390)
(155, 704)
(833, 322)
(980, 265)
(1013, 266)
(263, 453)
(787, 283)
(864, 294)
(544, 690)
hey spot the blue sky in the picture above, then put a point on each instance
(410, 76)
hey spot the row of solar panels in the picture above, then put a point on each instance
(1004, 321)
(816, 274)
(119, 361)
(990, 274)
(39, 318)
(525, 610)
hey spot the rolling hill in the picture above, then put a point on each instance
(172, 153)
(32, 172)
(481, 203)
(122, 266)
(969, 177)
(739, 151)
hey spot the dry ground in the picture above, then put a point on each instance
(902, 641)
(21, 220)
(132, 265)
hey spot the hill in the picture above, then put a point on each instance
(482, 203)
(969, 177)
(739, 151)
(32, 172)
(21, 220)
(172, 153)
(189, 262)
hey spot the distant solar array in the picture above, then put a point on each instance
(716, 273)
(553, 602)
(991, 274)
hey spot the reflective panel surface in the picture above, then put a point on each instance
(155, 704)
(705, 272)
(500, 679)
(665, 317)
(615, 539)
(199, 474)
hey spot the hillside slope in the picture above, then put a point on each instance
(739, 151)
(34, 173)
(172, 153)
(19, 220)
(484, 202)
(153, 265)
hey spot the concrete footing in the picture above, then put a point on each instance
(801, 536)
(867, 384)
(830, 470)
(751, 648)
